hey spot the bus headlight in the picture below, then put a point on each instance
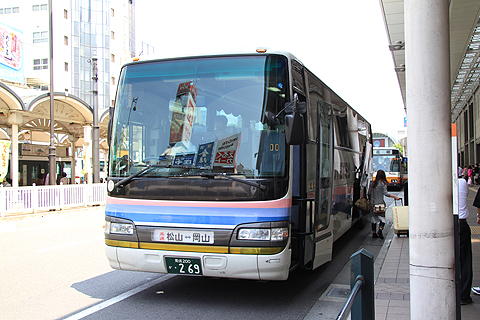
(120, 228)
(273, 234)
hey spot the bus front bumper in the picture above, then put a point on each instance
(238, 266)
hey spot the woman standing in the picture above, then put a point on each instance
(377, 191)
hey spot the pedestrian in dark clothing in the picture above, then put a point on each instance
(466, 273)
(476, 203)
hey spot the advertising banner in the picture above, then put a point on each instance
(4, 156)
(183, 113)
(11, 54)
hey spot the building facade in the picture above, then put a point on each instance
(468, 131)
(82, 29)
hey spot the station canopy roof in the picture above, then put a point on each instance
(464, 48)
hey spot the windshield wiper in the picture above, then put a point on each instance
(224, 175)
(127, 180)
(122, 183)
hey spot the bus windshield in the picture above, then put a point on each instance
(187, 117)
(386, 163)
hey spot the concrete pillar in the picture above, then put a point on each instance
(427, 58)
(14, 119)
(72, 139)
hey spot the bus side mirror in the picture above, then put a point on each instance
(294, 129)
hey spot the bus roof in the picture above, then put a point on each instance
(259, 51)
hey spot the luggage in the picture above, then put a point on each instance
(400, 219)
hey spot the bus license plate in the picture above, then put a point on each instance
(189, 266)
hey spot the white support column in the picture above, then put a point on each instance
(72, 139)
(87, 152)
(429, 143)
(14, 160)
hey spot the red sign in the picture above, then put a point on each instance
(225, 157)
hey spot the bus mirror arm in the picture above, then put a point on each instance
(290, 107)
(110, 123)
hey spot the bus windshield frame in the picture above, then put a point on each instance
(183, 118)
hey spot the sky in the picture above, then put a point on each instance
(343, 42)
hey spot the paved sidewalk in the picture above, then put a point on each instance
(392, 286)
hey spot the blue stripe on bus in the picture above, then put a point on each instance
(196, 215)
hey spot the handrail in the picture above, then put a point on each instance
(362, 287)
(359, 283)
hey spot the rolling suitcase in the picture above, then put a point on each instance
(400, 219)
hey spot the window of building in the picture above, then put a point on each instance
(9, 10)
(65, 40)
(65, 13)
(38, 7)
(113, 81)
(39, 37)
(40, 64)
(112, 35)
(66, 66)
(112, 12)
(113, 58)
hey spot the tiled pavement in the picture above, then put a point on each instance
(392, 287)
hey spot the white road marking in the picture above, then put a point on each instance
(7, 227)
(15, 226)
(69, 244)
(116, 299)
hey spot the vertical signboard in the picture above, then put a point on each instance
(11, 54)
(4, 155)
(226, 151)
(183, 113)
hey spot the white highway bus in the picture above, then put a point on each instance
(390, 160)
(239, 166)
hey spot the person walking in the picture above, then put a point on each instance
(476, 203)
(64, 179)
(470, 175)
(378, 190)
(476, 174)
(466, 271)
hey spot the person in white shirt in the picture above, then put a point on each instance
(64, 179)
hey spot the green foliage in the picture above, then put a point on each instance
(399, 147)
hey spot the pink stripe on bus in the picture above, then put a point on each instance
(281, 203)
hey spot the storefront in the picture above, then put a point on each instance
(33, 163)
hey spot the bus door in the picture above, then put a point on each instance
(322, 230)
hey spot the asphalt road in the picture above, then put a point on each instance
(54, 267)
